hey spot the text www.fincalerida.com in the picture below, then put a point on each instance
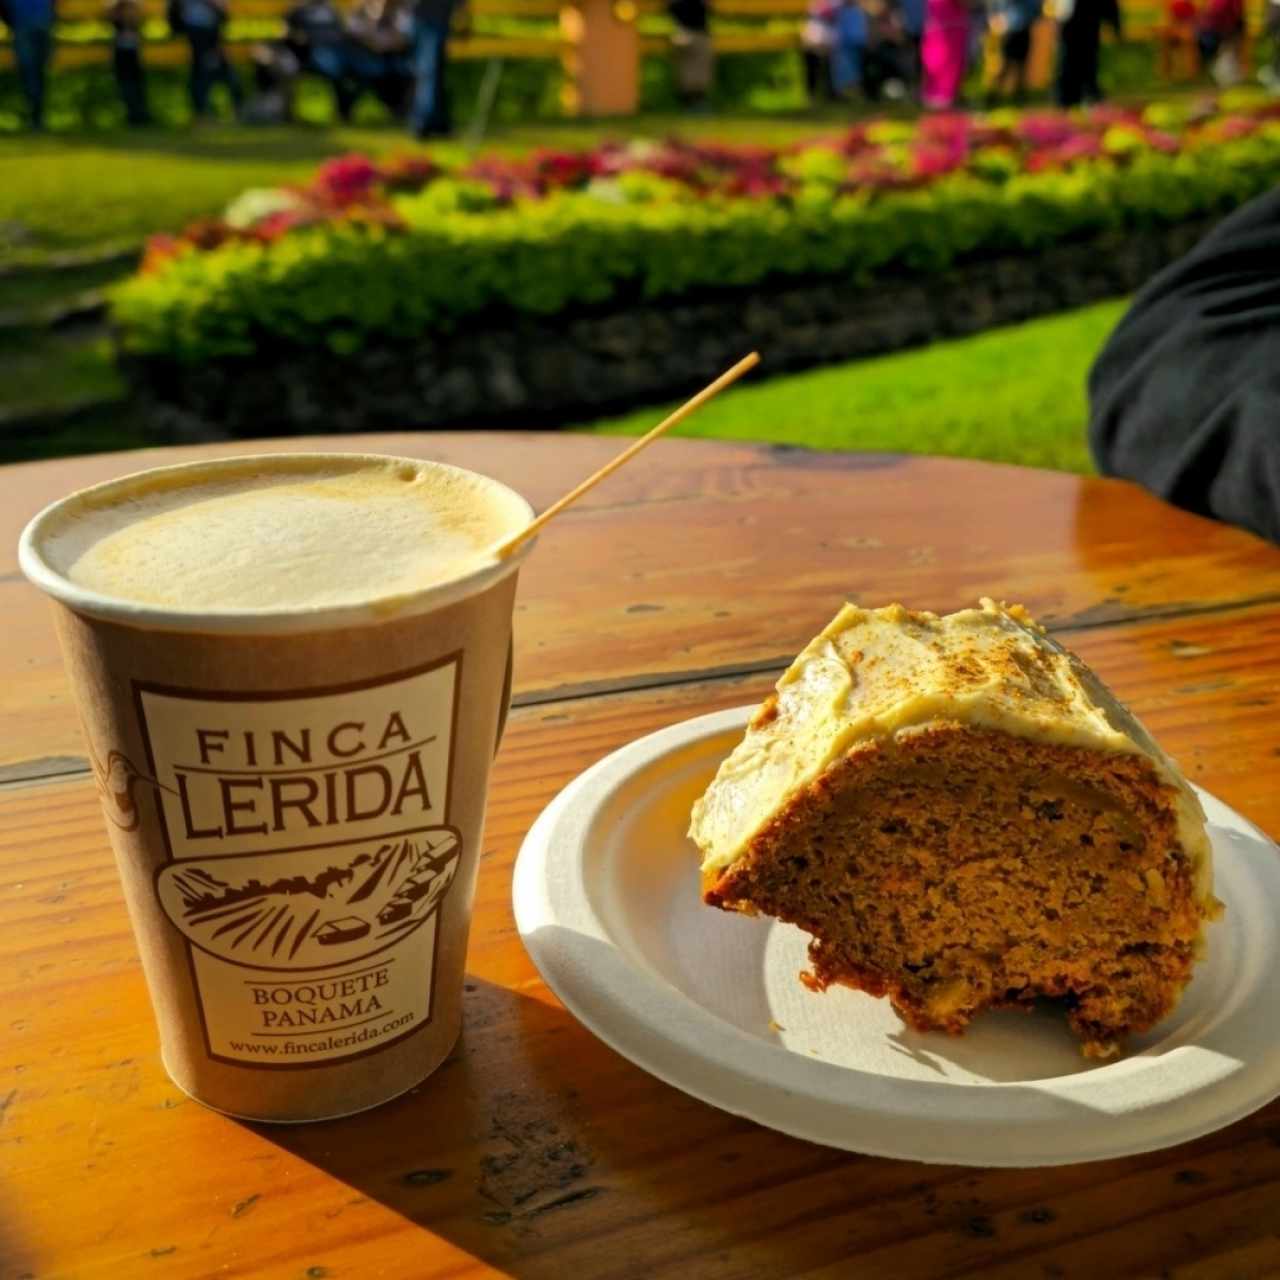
(325, 1044)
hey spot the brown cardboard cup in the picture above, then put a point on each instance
(296, 802)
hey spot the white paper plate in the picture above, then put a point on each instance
(607, 901)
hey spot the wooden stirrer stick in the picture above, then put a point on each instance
(689, 406)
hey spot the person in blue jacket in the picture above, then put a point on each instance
(850, 48)
(1012, 20)
(429, 107)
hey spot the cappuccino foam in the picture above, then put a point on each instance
(282, 533)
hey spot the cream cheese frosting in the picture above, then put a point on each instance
(876, 673)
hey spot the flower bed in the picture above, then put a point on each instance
(371, 252)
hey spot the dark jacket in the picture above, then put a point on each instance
(689, 14)
(437, 13)
(195, 17)
(1092, 15)
(1185, 397)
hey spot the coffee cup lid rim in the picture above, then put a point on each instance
(299, 618)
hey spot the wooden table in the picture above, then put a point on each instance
(682, 585)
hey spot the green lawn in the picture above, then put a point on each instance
(56, 371)
(1009, 395)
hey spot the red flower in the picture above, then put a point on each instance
(345, 180)
(562, 169)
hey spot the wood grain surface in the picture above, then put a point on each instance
(536, 1151)
(699, 559)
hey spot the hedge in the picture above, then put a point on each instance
(371, 253)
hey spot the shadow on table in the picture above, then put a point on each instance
(17, 1256)
(534, 1139)
(541, 1152)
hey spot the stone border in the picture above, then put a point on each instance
(531, 371)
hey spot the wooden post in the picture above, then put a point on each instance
(1043, 55)
(602, 60)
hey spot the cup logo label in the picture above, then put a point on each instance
(310, 856)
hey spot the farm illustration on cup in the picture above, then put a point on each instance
(303, 910)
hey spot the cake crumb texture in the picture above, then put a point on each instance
(965, 858)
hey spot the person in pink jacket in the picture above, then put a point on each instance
(944, 52)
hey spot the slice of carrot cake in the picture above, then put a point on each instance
(963, 817)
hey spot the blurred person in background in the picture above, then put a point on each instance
(429, 115)
(1185, 397)
(1220, 37)
(317, 38)
(885, 69)
(31, 23)
(850, 48)
(1080, 24)
(1012, 21)
(126, 18)
(379, 56)
(275, 69)
(912, 12)
(817, 40)
(695, 56)
(944, 52)
(202, 21)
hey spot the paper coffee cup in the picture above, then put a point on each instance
(295, 798)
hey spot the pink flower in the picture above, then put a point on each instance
(275, 225)
(1231, 127)
(951, 128)
(607, 160)
(932, 161)
(1162, 141)
(1081, 146)
(1045, 130)
(1106, 113)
